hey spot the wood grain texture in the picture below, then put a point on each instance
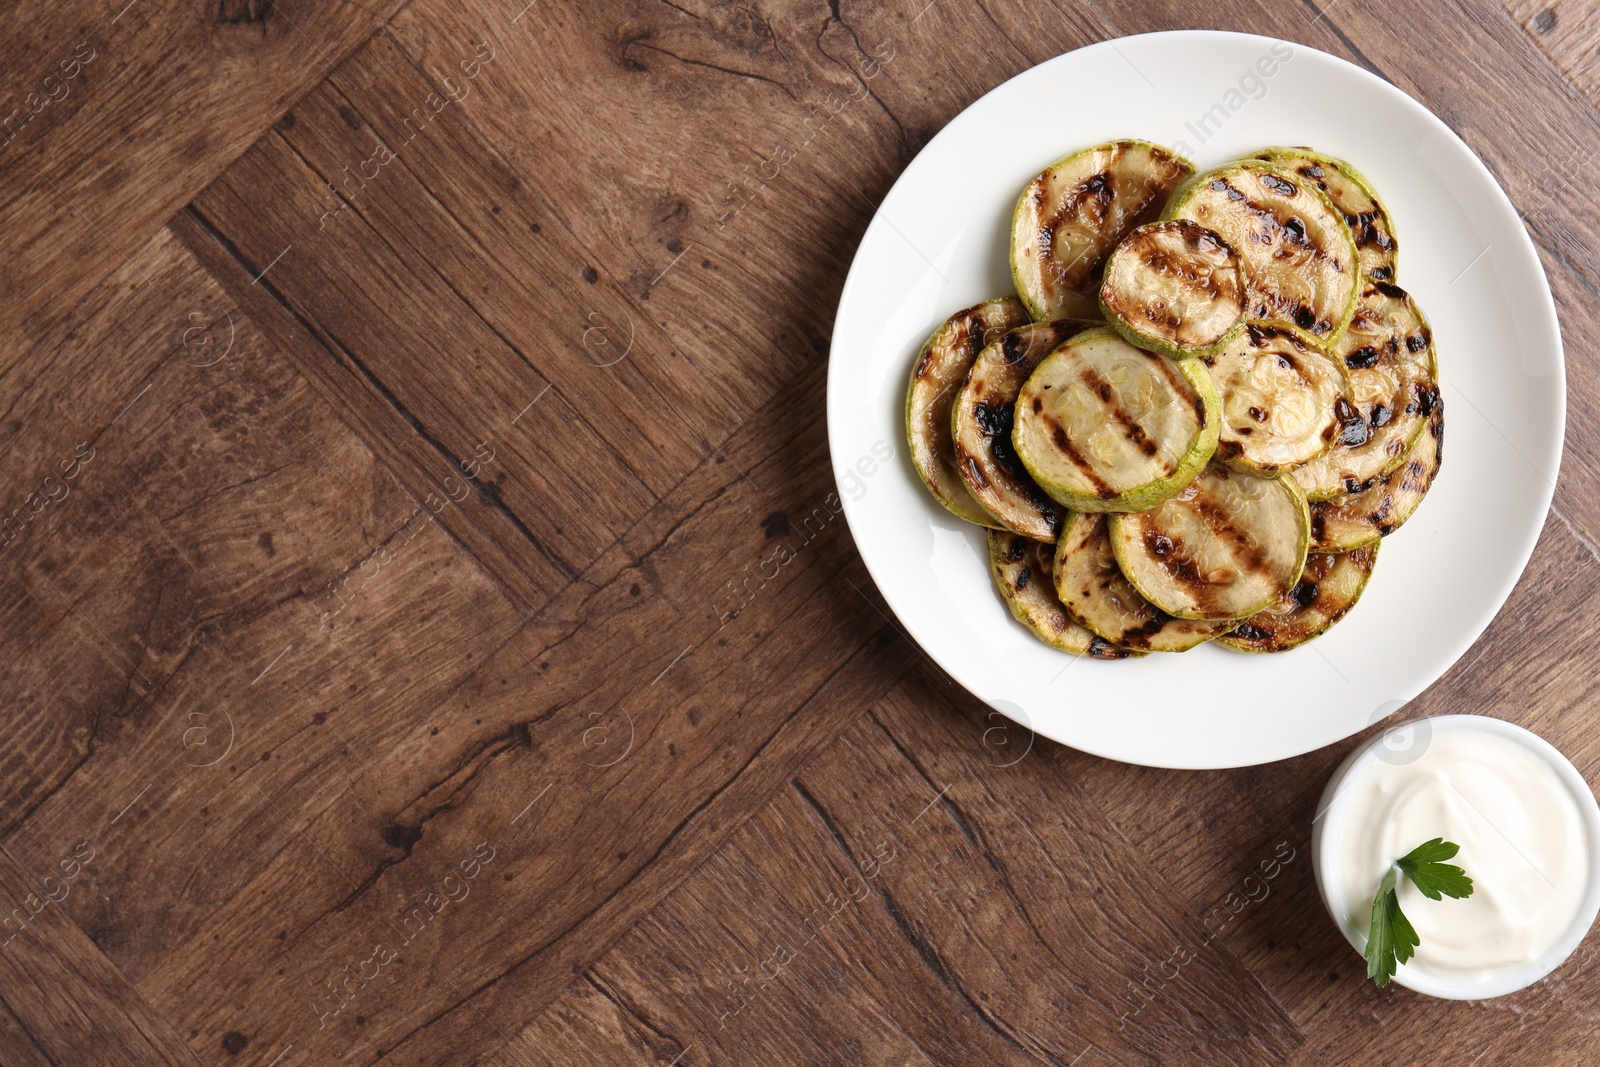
(65, 1002)
(114, 115)
(429, 602)
(1566, 32)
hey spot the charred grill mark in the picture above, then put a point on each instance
(1290, 231)
(1257, 414)
(1353, 429)
(1013, 348)
(1221, 525)
(1427, 398)
(1305, 593)
(1381, 274)
(1062, 329)
(1095, 193)
(1100, 648)
(1180, 386)
(1279, 186)
(1065, 446)
(1380, 514)
(1130, 429)
(1023, 576)
(1416, 343)
(1381, 414)
(1199, 268)
(1371, 230)
(1362, 358)
(1319, 523)
(1307, 319)
(1016, 549)
(1225, 187)
(1392, 291)
(992, 419)
(999, 467)
(1252, 632)
(1145, 633)
(1183, 571)
(1005, 454)
(1098, 187)
(1012, 472)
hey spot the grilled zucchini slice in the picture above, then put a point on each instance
(1296, 248)
(1280, 398)
(1357, 201)
(1071, 216)
(1021, 570)
(980, 423)
(1226, 547)
(1328, 588)
(1095, 594)
(1382, 506)
(1104, 426)
(1389, 359)
(936, 376)
(1175, 288)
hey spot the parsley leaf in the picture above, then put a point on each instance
(1392, 939)
(1432, 877)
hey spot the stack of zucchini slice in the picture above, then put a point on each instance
(1205, 405)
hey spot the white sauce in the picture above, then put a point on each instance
(1523, 844)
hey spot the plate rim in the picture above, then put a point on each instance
(1522, 548)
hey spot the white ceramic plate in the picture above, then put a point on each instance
(939, 243)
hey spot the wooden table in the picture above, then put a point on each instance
(406, 409)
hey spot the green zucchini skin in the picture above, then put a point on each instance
(1297, 250)
(1175, 288)
(980, 428)
(1104, 426)
(1021, 568)
(1383, 505)
(936, 376)
(1096, 594)
(1328, 588)
(1372, 227)
(1070, 216)
(1227, 547)
(1281, 396)
(1392, 368)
